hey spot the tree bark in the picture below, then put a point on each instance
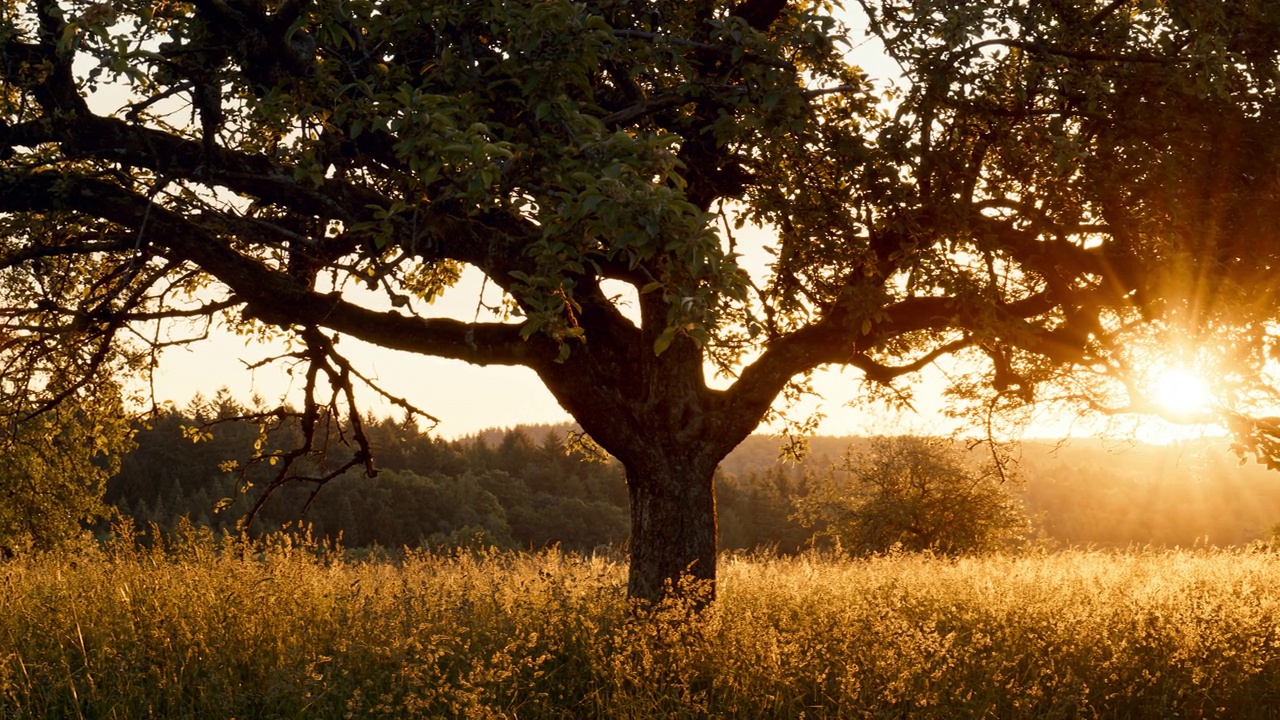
(673, 525)
(654, 413)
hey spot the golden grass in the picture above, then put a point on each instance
(221, 629)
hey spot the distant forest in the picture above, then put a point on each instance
(528, 488)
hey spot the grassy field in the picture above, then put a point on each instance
(221, 629)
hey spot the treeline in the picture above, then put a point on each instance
(529, 488)
(524, 491)
(1112, 494)
(525, 487)
(1088, 492)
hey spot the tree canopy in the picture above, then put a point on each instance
(1051, 191)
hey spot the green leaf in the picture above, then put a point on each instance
(664, 341)
(528, 329)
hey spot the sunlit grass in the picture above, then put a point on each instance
(199, 631)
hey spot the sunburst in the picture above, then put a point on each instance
(1181, 392)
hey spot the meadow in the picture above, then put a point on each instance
(206, 627)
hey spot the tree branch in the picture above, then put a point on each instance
(272, 296)
(648, 106)
(58, 93)
(885, 374)
(1059, 51)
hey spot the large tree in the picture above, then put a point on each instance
(1045, 190)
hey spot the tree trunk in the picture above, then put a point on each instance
(655, 414)
(673, 526)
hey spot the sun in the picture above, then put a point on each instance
(1177, 402)
(1181, 392)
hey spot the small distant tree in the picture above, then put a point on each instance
(917, 494)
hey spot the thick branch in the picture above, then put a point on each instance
(79, 247)
(491, 240)
(840, 338)
(269, 295)
(252, 175)
(259, 40)
(58, 93)
(718, 50)
(648, 106)
(759, 14)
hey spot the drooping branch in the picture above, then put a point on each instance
(320, 357)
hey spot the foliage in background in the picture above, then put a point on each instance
(914, 493)
(54, 465)
(221, 627)
(516, 489)
(520, 488)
